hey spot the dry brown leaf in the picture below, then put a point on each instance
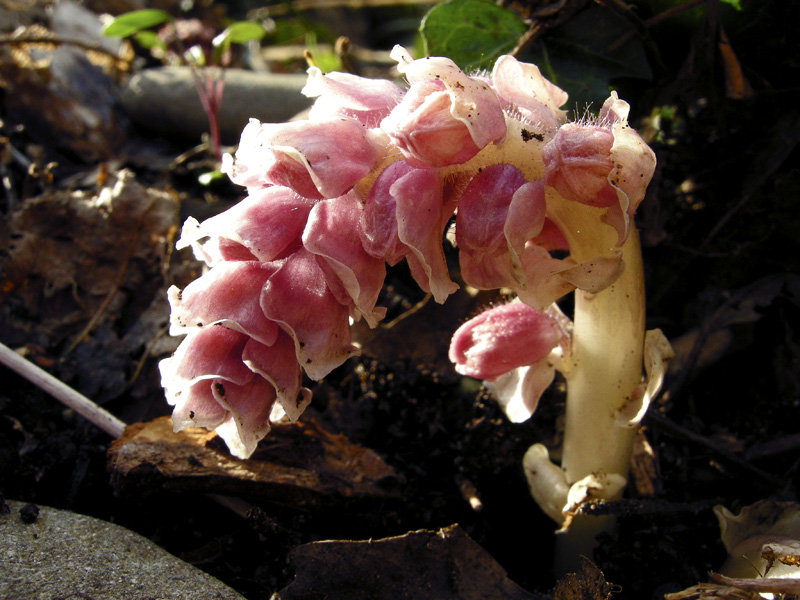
(587, 584)
(445, 565)
(298, 465)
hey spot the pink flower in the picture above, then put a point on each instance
(445, 118)
(404, 217)
(498, 213)
(577, 163)
(604, 164)
(515, 348)
(373, 177)
(317, 159)
(501, 339)
(222, 379)
(297, 297)
(266, 225)
(228, 294)
(332, 233)
(367, 101)
(525, 94)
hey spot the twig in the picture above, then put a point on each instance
(624, 10)
(96, 415)
(418, 306)
(61, 392)
(534, 30)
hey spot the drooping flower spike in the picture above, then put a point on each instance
(373, 177)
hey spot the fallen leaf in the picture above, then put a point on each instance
(298, 465)
(445, 565)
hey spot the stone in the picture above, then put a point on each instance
(61, 554)
(165, 100)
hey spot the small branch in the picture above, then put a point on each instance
(533, 32)
(61, 392)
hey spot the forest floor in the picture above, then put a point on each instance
(83, 294)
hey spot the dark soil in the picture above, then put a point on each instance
(721, 250)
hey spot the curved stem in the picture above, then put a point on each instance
(607, 346)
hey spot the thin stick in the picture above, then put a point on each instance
(98, 416)
(61, 392)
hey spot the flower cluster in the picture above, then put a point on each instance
(374, 176)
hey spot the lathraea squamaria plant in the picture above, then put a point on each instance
(374, 176)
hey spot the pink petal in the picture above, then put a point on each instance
(421, 219)
(578, 162)
(518, 392)
(378, 221)
(197, 407)
(526, 215)
(263, 226)
(298, 298)
(485, 270)
(317, 159)
(634, 164)
(483, 208)
(405, 215)
(525, 93)
(333, 233)
(208, 353)
(249, 407)
(498, 213)
(364, 100)
(445, 117)
(278, 365)
(228, 294)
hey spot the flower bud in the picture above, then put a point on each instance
(605, 164)
(502, 339)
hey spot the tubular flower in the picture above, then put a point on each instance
(516, 349)
(373, 177)
(367, 101)
(445, 118)
(317, 159)
(503, 338)
(604, 164)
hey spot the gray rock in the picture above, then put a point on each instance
(66, 555)
(165, 100)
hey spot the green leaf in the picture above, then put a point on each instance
(133, 22)
(236, 33)
(209, 177)
(473, 33)
(148, 40)
(734, 3)
(242, 32)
